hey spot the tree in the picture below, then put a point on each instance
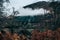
(56, 14)
(2, 6)
(2, 19)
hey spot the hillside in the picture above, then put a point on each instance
(32, 22)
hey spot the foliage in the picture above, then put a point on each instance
(2, 6)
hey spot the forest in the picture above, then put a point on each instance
(49, 21)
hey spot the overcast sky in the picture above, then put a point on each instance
(21, 3)
(18, 5)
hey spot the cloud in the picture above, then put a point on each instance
(30, 12)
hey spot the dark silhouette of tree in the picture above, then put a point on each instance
(14, 12)
(2, 18)
(56, 14)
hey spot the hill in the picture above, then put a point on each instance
(40, 4)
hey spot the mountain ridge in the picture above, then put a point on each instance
(40, 4)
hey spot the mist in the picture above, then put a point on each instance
(30, 12)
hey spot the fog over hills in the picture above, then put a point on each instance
(30, 12)
(18, 5)
(39, 8)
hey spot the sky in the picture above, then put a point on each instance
(18, 5)
(21, 3)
